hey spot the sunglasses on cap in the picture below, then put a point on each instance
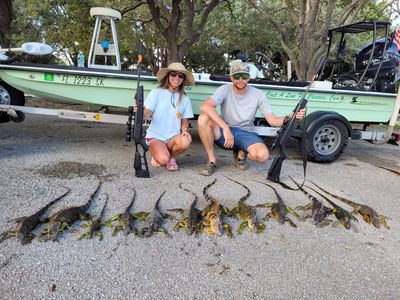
(174, 74)
(243, 75)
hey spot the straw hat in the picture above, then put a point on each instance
(177, 67)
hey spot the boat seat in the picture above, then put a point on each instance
(106, 49)
(105, 12)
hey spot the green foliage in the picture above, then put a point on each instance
(67, 26)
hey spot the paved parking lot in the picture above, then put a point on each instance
(43, 155)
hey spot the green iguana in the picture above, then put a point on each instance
(26, 224)
(319, 212)
(191, 217)
(369, 215)
(94, 227)
(64, 218)
(344, 217)
(125, 220)
(279, 209)
(212, 215)
(247, 213)
(153, 222)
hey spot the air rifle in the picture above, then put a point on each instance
(140, 160)
(282, 138)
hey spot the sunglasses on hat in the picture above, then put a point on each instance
(174, 74)
(243, 75)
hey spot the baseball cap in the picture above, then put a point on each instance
(237, 66)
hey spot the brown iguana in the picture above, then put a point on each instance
(64, 218)
(369, 215)
(212, 215)
(343, 216)
(319, 211)
(94, 227)
(26, 224)
(153, 222)
(279, 209)
(191, 217)
(125, 220)
(247, 213)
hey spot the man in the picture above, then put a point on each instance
(234, 129)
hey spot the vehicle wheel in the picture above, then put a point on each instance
(327, 141)
(10, 95)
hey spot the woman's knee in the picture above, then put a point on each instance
(183, 143)
(162, 158)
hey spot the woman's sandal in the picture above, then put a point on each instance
(172, 165)
(154, 163)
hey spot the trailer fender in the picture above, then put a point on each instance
(312, 120)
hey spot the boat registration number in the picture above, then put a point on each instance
(81, 80)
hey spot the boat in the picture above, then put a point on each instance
(331, 111)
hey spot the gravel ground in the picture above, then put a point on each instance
(42, 156)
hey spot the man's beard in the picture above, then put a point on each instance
(240, 89)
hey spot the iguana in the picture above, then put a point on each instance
(94, 227)
(369, 215)
(247, 213)
(344, 217)
(153, 222)
(26, 224)
(279, 209)
(212, 215)
(125, 220)
(64, 218)
(319, 211)
(191, 217)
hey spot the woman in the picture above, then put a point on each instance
(169, 109)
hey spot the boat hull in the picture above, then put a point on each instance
(117, 88)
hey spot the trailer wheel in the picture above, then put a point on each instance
(10, 96)
(327, 141)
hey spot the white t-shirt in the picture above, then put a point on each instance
(240, 110)
(164, 105)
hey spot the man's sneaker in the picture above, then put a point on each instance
(208, 169)
(240, 163)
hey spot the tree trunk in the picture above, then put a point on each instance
(306, 44)
(5, 22)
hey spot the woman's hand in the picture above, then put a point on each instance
(186, 134)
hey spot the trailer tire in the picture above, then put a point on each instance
(327, 141)
(9, 96)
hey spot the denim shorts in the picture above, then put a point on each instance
(243, 139)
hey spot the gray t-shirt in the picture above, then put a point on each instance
(240, 110)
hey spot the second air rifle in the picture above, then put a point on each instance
(140, 160)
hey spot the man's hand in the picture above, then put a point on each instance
(300, 114)
(229, 140)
